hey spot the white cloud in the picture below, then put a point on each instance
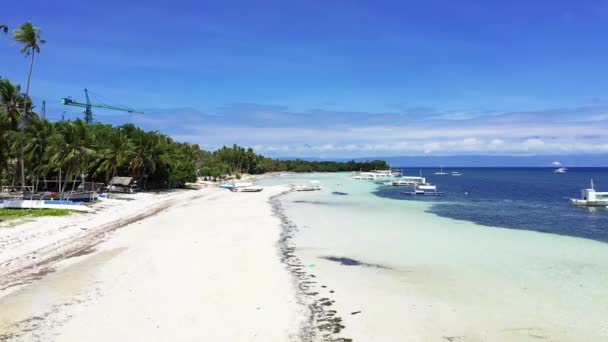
(275, 131)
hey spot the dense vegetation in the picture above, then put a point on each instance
(33, 149)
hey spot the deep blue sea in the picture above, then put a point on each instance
(518, 198)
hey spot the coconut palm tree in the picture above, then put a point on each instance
(40, 133)
(11, 100)
(29, 36)
(114, 154)
(68, 150)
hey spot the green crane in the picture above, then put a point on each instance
(88, 113)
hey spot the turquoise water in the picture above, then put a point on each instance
(415, 274)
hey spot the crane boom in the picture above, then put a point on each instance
(88, 117)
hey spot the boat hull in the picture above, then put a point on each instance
(585, 203)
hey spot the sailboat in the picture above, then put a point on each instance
(440, 172)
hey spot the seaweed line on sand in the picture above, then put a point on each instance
(322, 323)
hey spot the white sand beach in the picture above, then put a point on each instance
(206, 266)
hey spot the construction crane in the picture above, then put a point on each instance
(88, 113)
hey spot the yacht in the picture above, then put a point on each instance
(591, 198)
(440, 172)
(456, 173)
(560, 170)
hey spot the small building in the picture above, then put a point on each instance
(122, 184)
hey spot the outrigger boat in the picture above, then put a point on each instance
(248, 189)
(591, 198)
(236, 185)
(406, 181)
(45, 204)
(313, 186)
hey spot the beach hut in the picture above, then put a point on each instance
(122, 184)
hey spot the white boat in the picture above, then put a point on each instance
(426, 187)
(560, 170)
(456, 173)
(248, 189)
(376, 175)
(312, 186)
(236, 185)
(307, 187)
(407, 181)
(440, 172)
(45, 204)
(591, 198)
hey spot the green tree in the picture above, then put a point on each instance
(68, 150)
(29, 37)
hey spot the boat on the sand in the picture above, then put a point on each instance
(45, 204)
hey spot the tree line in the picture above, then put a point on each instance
(34, 149)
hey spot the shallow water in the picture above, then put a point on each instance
(440, 278)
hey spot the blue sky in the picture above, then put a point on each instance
(333, 78)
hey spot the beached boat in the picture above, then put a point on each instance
(307, 187)
(339, 193)
(560, 170)
(591, 198)
(248, 189)
(236, 185)
(44, 204)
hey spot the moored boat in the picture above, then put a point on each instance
(407, 181)
(440, 172)
(591, 198)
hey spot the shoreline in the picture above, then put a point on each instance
(390, 270)
(322, 322)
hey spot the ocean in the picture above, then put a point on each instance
(502, 256)
(519, 198)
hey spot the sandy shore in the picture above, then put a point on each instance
(207, 267)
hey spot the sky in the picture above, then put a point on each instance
(331, 79)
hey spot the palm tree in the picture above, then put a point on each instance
(11, 100)
(68, 150)
(113, 155)
(40, 134)
(29, 37)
